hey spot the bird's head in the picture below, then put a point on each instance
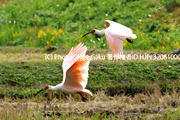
(47, 87)
(93, 31)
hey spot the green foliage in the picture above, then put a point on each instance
(49, 37)
(112, 77)
(21, 21)
(169, 4)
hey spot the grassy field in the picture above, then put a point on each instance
(33, 23)
(119, 92)
(122, 89)
(101, 106)
(111, 77)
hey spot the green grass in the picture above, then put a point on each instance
(21, 22)
(111, 77)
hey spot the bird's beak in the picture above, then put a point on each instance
(130, 41)
(40, 91)
(86, 34)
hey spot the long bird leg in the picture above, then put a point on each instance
(82, 97)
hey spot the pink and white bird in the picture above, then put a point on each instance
(75, 72)
(115, 35)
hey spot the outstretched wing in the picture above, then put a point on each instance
(118, 27)
(77, 75)
(115, 43)
(119, 30)
(72, 57)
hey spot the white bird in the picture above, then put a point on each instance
(115, 34)
(75, 72)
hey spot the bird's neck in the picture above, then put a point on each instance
(99, 32)
(57, 87)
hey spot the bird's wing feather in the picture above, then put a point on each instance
(72, 57)
(115, 43)
(77, 75)
(118, 27)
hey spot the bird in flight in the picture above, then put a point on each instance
(115, 35)
(75, 73)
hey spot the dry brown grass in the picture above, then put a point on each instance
(144, 106)
(4, 1)
(11, 54)
(25, 57)
(21, 57)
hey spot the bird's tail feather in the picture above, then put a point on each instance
(85, 91)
